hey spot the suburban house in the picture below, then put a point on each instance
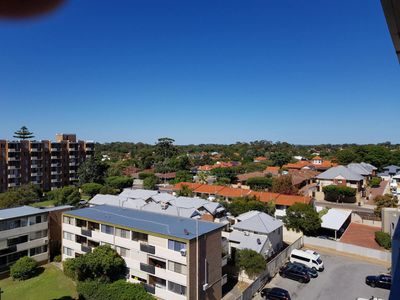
(173, 257)
(257, 231)
(259, 159)
(316, 163)
(242, 178)
(29, 231)
(392, 174)
(343, 176)
(274, 171)
(364, 169)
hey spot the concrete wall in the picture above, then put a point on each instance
(390, 218)
(347, 248)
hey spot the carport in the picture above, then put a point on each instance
(336, 220)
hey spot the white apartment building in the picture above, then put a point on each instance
(174, 257)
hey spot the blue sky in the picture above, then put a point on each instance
(202, 72)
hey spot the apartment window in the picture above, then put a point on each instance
(107, 229)
(177, 267)
(68, 220)
(37, 235)
(176, 246)
(68, 251)
(122, 233)
(68, 236)
(122, 251)
(38, 250)
(176, 288)
(138, 236)
(17, 240)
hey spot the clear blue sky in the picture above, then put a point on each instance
(203, 71)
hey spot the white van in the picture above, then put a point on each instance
(308, 259)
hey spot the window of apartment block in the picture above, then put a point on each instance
(68, 220)
(177, 267)
(176, 288)
(122, 251)
(138, 236)
(37, 235)
(38, 250)
(176, 246)
(122, 233)
(68, 236)
(17, 240)
(107, 229)
(68, 251)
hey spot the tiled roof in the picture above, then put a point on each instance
(190, 185)
(289, 200)
(208, 189)
(233, 193)
(244, 177)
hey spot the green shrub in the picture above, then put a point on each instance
(57, 258)
(106, 189)
(375, 182)
(118, 290)
(252, 262)
(259, 183)
(24, 268)
(91, 188)
(119, 182)
(383, 239)
(338, 193)
(144, 175)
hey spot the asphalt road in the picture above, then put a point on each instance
(342, 279)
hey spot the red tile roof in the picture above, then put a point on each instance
(233, 193)
(272, 170)
(191, 185)
(265, 196)
(260, 158)
(244, 177)
(289, 200)
(209, 189)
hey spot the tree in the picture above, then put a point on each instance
(23, 195)
(92, 170)
(259, 183)
(106, 189)
(302, 217)
(280, 158)
(347, 156)
(68, 195)
(150, 182)
(340, 194)
(23, 133)
(118, 290)
(375, 182)
(165, 148)
(119, 182)
(384, 201)
(244, 204)
(24, 268)
(283, 185)
(183, 176)
(250, 261)
(91, 188)
(185, 191)
(103, 264)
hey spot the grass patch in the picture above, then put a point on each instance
(44, 203)
(51, 284)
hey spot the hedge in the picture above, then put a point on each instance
(338, 193)
(383, 239)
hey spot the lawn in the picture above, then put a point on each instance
(51, 284)
(44, 203)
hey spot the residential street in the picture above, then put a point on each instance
(343, 278)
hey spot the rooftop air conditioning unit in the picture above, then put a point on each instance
(164, 205)
(183, 252)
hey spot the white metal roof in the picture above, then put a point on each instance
(334, 218)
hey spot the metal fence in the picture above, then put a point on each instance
(272, 269)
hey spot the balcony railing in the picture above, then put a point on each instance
(86, 232)
(147, 248)
(149, 288)
(86, 249)
(147, 268)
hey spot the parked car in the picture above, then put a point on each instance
(311, 272)
(307, 259)
(295, 273)
(382, 281)
(275, 294)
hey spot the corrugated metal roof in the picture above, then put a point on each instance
(20, 211)
(179, 227)
(257, 222)
(254, 242)
(334, 218)
(138, 193)
(340, 171)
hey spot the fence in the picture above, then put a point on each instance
(348, 248)
(273, 267)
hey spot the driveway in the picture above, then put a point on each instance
(361, 235)
(343, 279)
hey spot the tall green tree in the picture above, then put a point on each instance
(68, 195)
(92, 170)
(384, 201)
(302, 217)
(259, 183)
(23, 134)
(283, 185)
(280, 158)
(165, 147)
(244, 204)
(185, 191)
(250, 261)
(23, 195)
(150, 182)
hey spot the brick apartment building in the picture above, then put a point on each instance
(45, 163)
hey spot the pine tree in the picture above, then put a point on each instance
(23, 134)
